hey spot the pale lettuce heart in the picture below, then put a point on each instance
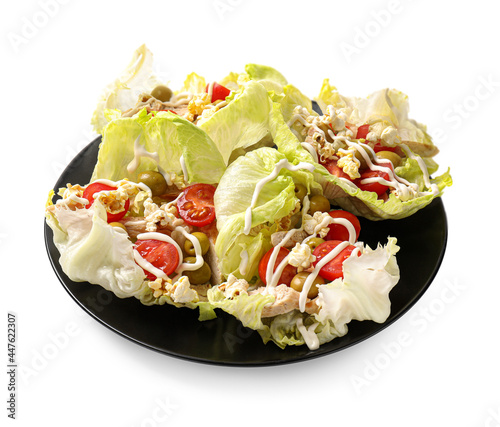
(363, 294)
(122, 94)
(92, 251)
(387, 105)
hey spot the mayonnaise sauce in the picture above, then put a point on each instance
(184, 168)
(282, 164)
(244, 262)
(310, 337)
(140, 151)
(310, 279)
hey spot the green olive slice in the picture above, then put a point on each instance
(162, 93)
(155, 181)
(299, 279)
(204, 243)
(318, 203)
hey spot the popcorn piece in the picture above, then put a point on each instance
(164, 215)
(349, 163)
(318, 223)
(301, 256)
(181, 291)
(234, 287)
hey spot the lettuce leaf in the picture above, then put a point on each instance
(264, 72)
(349, 197)
(123, 93)
(363, 294)
(366, 203)
(242, 123)
(167, 135)
(234, 195)
(194, 83)
(387, 105)
(92, 251)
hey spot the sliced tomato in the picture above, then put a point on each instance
(339, 231)
(363, 130)
(196, 205)
(376, 187)
(288, 273)
(331, 166)
(97, 187)
(379, 147)
(163, 255)
(218, 92)
(333, 269)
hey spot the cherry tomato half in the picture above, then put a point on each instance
(376, 187)
(288, 273)
(196, 205)
(333, 269)
(340, 232)
(331, 166)
(363, 130)
(162, 255)
(379, 147)
(97, 187)
(218, 92)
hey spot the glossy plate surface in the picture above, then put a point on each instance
(224, 341)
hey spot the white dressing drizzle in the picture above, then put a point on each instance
(179, 99)
(182, 266)
(244, 262)
(110, 183)
(403, 189)
(74, 198)
(210, 90)
(282, 164)
(146, 265)
(153, 235)
(140, 151)
(185, 266)
(310, 279)
(311, 150)
(184, 168)
(165, 174)
(272, 277)
(309, 335)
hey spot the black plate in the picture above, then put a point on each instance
(224, 341)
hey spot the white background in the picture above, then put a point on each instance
(56, 60)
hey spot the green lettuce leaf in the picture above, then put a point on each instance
(368, 205)
(264, 72)
(234, 195)
(349, 197)
(242, 123)
(246, 308)
(167, 135)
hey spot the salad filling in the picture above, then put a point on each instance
(236, 195)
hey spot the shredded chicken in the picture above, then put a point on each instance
(152, 104)
(287, 299)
